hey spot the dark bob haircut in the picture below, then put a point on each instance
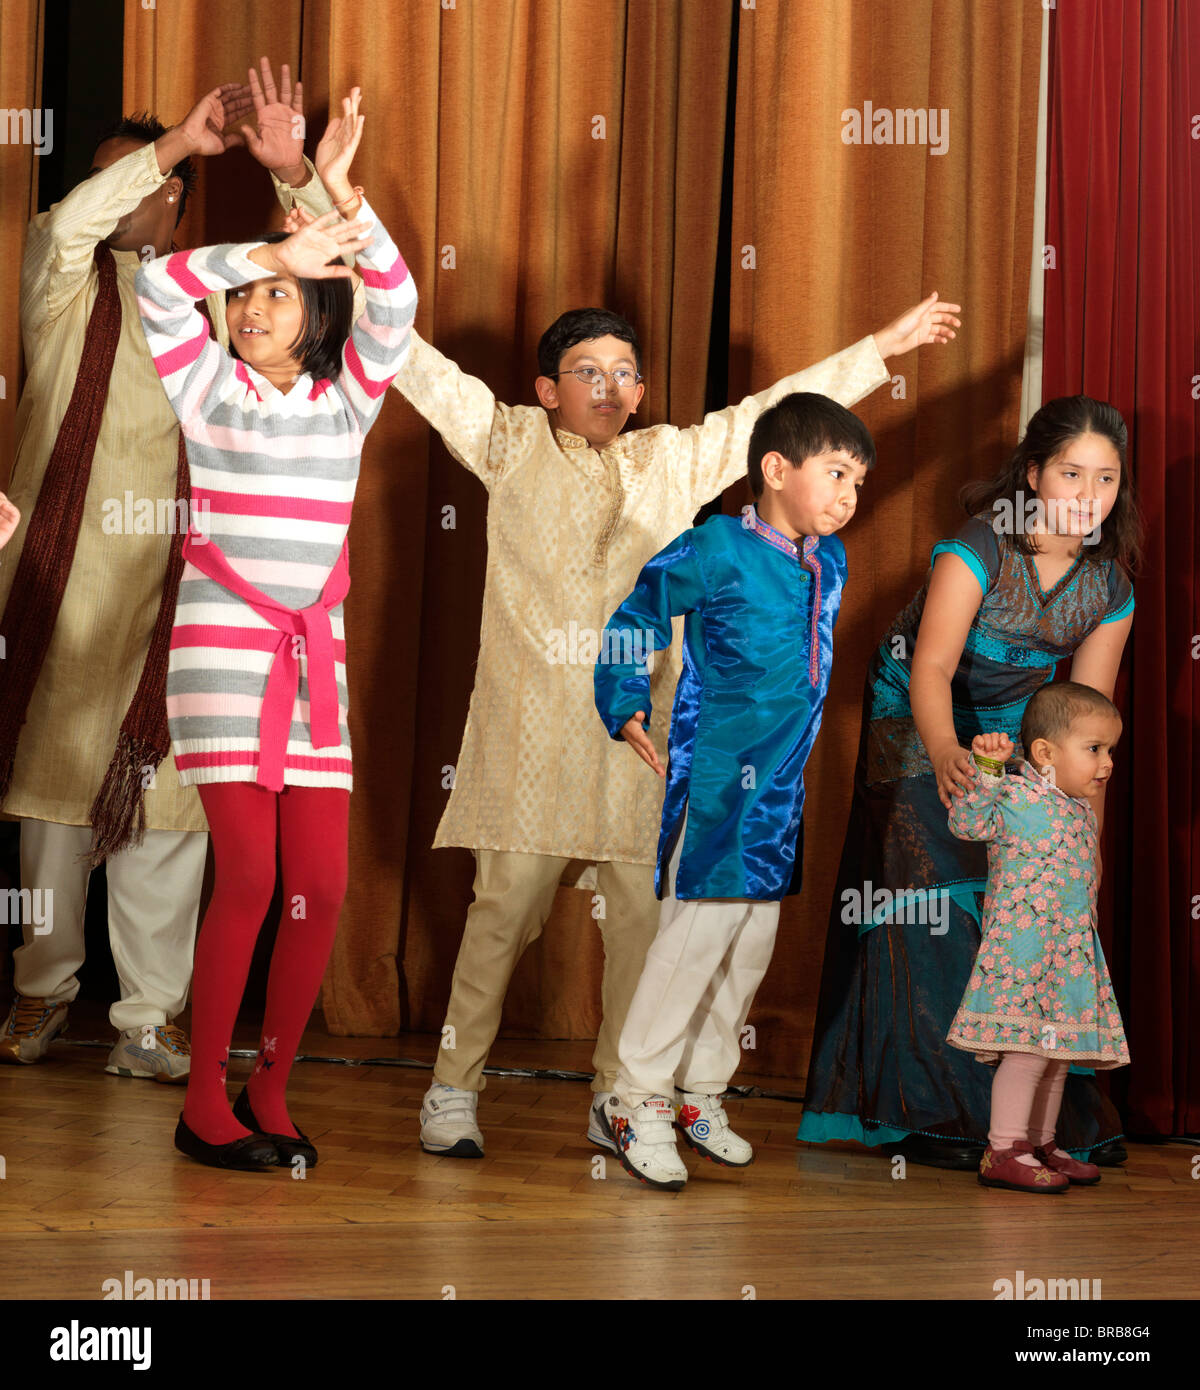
(147, 128)
(802, 425)
(1055, 426)
(328, 307)
(581, 326)
(1052, 709)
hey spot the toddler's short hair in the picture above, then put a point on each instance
(1052, 709)
(801, 425)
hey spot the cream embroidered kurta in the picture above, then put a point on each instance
(98, 649)
(568, 531)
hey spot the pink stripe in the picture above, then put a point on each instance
(238, 639)
(384, 279)
(182, 355)
(177, 269)
(233, 439)
(374, 389)
(209, 702)
(239, 371)
(294, 573)
(293, 508)
(249, 758)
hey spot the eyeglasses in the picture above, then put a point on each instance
(591, 376)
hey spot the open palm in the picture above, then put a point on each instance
(306, 253)
(339, 144)
(278, 143)
(205, 123)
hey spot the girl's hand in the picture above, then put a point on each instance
(927, 322)
(634, 733)
(10, 519)
(954, 771)
(338, 146)
(204, 125)
(997, 746)
(307, 252)
(278, 143)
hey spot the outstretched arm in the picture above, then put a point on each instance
(714, 454)
(62, 242)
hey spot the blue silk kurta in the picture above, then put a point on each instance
(758, 645)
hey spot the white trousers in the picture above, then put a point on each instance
(684, 1026)
(153, 902)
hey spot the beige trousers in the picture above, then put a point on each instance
(513, 897)
(153, 901)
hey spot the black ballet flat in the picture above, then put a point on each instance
(1109, 1155)
(251, 1153)
(930, 1152)
(287, 1147)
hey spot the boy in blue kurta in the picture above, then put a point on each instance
(760, 596)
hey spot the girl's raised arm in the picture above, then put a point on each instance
(950, 607)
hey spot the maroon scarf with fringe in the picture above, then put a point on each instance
(118, 814)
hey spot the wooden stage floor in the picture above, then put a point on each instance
(92, 1187)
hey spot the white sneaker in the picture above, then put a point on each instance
(597, 1132)
(645, 1140)
(448, 1122)
(705, 1126)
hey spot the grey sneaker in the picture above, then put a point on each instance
(31, 1026)
(448, 1122)
(162, 1053)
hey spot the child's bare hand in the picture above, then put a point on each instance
(338, 146)
(10, 519)
(927, 322)
(998, 746)
(634, 733)
(954, 771)
(306, 253)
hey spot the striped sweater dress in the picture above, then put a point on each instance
(256, 685)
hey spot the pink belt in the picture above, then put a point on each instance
(312, 626)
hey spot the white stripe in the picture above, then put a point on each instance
(274, 484)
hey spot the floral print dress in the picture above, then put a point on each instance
(1040, 982)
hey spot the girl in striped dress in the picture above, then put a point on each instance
(256, 691)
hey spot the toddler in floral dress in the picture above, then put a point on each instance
(1039, 997)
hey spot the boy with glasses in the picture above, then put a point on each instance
(575, 509)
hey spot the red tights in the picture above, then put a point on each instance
(311, 824)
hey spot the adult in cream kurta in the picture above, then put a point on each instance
(100, 640)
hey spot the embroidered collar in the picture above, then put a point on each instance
(753, 522)
(566, 440)
(806, 555)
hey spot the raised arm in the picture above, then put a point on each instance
(185, 356)
(980, 814)
(382, 335)
(714, 452)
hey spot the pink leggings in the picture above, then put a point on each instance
(1027, 1091)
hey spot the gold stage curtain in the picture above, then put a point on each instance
(21, 29)
(844, 236)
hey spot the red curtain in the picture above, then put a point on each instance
(1122, 295)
